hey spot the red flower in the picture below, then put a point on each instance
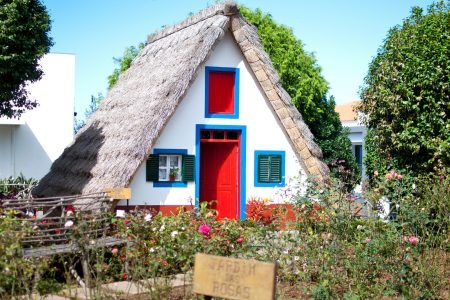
(126, 221)
(316, 206)
(125, 276)
(163, 262)
(413, 240)
(204, 229)
(240, 240)
(123, 257)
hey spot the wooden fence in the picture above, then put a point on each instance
(63, 224)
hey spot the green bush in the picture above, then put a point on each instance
(328, 251)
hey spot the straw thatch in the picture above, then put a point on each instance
(118, 137)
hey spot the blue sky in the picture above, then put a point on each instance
(344, 35)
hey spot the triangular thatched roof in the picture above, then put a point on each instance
(119, 136)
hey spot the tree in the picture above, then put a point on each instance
(123, 63)
(301, 77)
(93, 106)
(24, 39)
(405, 97)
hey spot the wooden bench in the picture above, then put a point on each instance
(67, 224)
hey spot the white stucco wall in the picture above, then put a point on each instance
(357, 133)
(264, 132)
(30, 145)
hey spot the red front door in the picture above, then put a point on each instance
(219, 176)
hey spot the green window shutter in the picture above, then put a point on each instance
(188, 169)
(275, 168)
(152, 168)
(263, 168)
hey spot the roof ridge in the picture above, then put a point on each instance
(226, 8)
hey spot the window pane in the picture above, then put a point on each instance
(204, 134)
(232, 135)
(162, 160)
(218, 134)
(174, 161)
(162, 174)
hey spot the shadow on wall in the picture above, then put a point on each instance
(31, 159)
(72, 171)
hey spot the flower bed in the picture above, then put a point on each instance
(325, 252)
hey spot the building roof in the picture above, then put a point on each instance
(347, 111)
(119, 136)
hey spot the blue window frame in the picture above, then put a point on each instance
(169, 152)
(235, 113)
(269, 168)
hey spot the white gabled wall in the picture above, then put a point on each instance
(30, 145)
(264, 132)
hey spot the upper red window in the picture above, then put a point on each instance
(222, 92)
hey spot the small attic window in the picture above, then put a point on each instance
(222, 92)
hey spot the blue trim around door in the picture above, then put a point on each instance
(234, 115)
(242, 195)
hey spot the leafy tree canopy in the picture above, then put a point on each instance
(24, 28)
(301, 77)
(405, 97)
(93, 106)
(123, 63)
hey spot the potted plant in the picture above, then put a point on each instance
(173, 174)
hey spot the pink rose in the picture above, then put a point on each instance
(388, 176)
(114, 250)
(413, 240)
(204, 229)
(367, 240)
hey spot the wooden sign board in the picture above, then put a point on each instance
(233, 278)
(118, 193)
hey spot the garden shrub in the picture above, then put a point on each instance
(16, 187)
(18, 275)
(328, 252)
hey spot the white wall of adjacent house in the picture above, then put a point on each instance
(264, 132)
(357, 133)
(29, 145)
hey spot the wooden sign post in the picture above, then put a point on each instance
(233, 278)
(118, 193)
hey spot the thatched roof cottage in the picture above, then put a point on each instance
(199, 116)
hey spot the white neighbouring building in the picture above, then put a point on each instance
(200, 116)
(357, 131)
(29, 145)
